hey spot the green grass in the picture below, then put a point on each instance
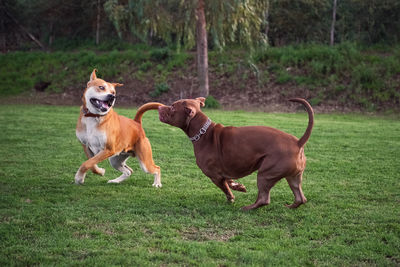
(352, 184)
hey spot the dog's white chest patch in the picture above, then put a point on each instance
(90, 135)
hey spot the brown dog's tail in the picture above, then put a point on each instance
(302, 141)
(144, 108)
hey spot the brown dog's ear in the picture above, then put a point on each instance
(202, 101)
(93, 75)
(117, 84)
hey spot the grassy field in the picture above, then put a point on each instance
(351, 182)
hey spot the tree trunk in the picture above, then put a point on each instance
(266, 21)
(51, 36)
(202, 54)
(3, 30)
(98, 23)
(333, 23)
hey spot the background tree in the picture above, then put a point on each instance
(332, 39)
(369, 21)
(183, 23)
(299, 21)
(229, 22)
(202, 47)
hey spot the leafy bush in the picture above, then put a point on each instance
(145, 66)
(177, 60)
(159, 89)
(160, 54)
(283, 77)
(211, 102)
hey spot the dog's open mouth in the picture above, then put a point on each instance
(102, 105)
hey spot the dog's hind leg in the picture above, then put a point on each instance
(96, 169)
(295, 184)
(119, 163)
(264, 184)
(145, 157)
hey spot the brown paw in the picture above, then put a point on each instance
(246, 208)
(253, 206)
(237, 187)
(240, 188)
(250, 207)
(294, 205)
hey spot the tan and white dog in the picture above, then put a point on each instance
(105, 134)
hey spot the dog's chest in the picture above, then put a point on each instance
(90, 135)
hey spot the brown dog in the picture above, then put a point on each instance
(226, 153)
(105, 134)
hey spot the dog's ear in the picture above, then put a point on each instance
(117, 84)
(93, 75)
(202, 101)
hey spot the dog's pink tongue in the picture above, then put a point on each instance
(104, 104)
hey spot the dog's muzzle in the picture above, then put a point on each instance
(103, 105)
(162, 114)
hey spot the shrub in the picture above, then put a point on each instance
(283, 77)
(159, 89)
(177, 60)
(211, 102)
(160, 54)
(145, 66)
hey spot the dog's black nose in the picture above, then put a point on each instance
(110, 97)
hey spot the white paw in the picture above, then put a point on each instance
(79, 178)
(114, 181)
(157, 185)
(101, 171)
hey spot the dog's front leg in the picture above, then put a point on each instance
(89, 154)
(90, 163)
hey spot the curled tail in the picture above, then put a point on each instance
(302, 141)
(144, 108)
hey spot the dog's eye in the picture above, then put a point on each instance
(101, 87)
